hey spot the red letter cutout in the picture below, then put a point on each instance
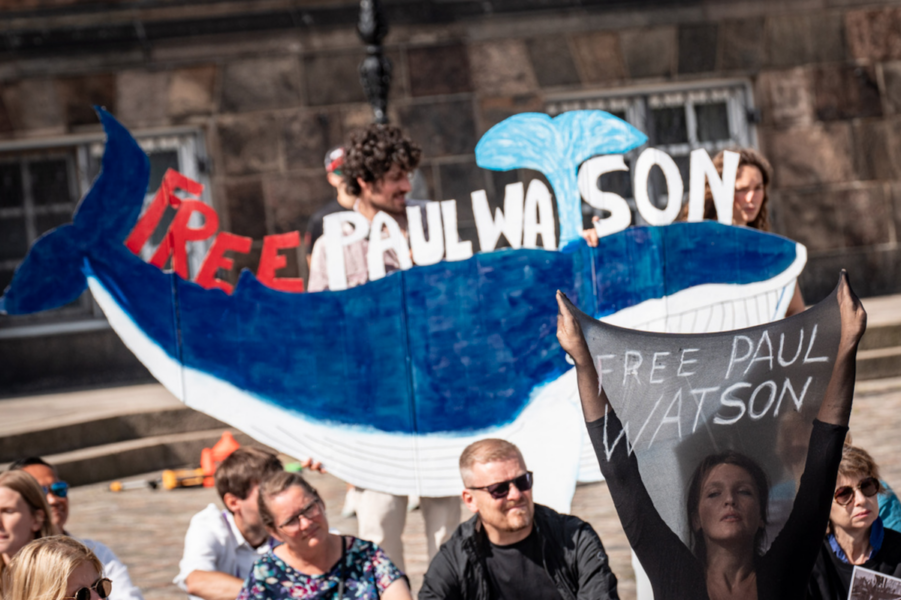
(179, 233)
(216, 259)
(271, 261)
(165, 196)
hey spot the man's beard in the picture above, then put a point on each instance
(513, 523)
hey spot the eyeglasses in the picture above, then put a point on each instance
(102, 586)
(868, 487)
(309, 512)
(500, 490)
(60, 489)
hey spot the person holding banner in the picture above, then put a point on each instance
(727, 503)
(749, 208)
(855, 535)
(378, 162)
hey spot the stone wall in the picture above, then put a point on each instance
(826, 75)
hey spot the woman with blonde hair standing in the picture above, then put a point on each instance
(55, 568)
(24, 514)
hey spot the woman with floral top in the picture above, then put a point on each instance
(312, 563)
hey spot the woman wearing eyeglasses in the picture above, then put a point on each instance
(55, 568)
(24, 514)
(312, 563)
(855, 534)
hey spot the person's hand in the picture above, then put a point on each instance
(569, 334)
(854, 317)
(591, 235)
(312, 465)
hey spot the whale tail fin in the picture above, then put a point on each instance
(51, 274)
(556, 147)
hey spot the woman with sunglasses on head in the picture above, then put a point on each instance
(24, 514)
(55, 568)
(312, 563)
(855, 534)
(730, 510)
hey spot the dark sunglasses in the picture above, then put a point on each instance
(60, 489)
(102, 586)
(500, 490)
(868, 487)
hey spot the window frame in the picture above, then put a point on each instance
(635, 102)
(83, 154)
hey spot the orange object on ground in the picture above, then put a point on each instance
(224, 447)
(211, 458)
(182, 478)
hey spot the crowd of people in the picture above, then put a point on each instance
(272, 540)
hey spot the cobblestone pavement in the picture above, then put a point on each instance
(146, 528)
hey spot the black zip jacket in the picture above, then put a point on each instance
(572, 553)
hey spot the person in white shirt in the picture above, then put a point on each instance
(222, 545)
(378, 163)
(57, 492)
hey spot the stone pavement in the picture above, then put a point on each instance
(146, 528)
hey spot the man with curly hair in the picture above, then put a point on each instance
(378, 162)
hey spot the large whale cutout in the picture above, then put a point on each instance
(387, 382)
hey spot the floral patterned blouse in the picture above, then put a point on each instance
(367, 573)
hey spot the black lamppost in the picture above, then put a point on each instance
(375, 70)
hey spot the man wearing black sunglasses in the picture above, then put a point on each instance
(512, 547)
(57, 492)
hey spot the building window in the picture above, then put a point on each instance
(40, 185)
(676, 120)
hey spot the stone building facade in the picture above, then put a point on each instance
(262, 89)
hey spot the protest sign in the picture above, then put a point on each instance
(682, 398)
(388, 381)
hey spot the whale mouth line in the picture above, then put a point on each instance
(736, 306)
(409, 463)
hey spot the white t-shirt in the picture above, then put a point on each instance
(123, 588)
(214, 543)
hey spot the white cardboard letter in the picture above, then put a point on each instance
(431, 251)
(589, 186)
(508, 222)
(723, 189)
(335, 240)
(539, 217)
(674, 187)
(378, 245)
(454, 248)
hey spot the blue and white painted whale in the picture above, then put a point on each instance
(388, 381)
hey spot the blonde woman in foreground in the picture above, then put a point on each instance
(55, 568)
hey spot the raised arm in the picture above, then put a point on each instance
(569, 334)
(836, 407)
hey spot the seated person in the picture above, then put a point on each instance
(57, 493)
(222, 545)
(55, 568)
(311, 562)
(24, 514)
(855, 534)
(512, 546)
